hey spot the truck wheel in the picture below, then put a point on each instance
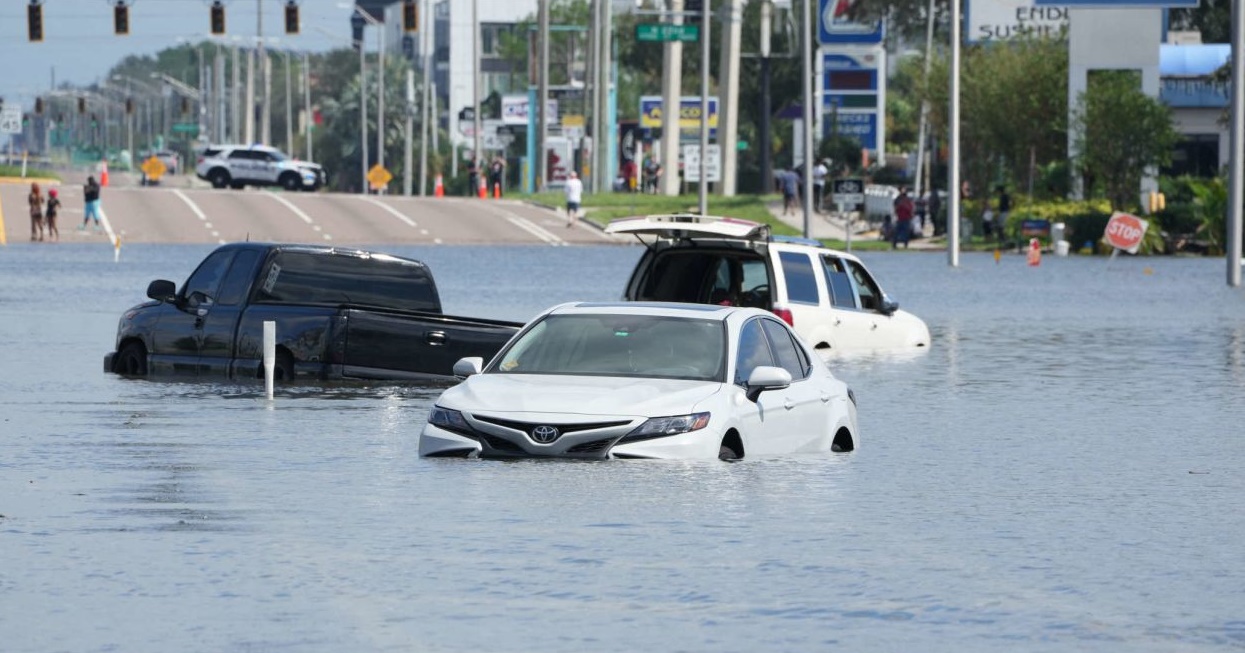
(220, 178)
(290, 181)
(131, 360)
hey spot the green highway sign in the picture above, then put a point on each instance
(187, 127)
(660, 32)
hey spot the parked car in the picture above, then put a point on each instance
(827, 296)
(236, 166)
(339, 313)
(629, 380)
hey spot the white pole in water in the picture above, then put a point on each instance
(116, 249)
(270, 355)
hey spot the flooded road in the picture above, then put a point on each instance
(1061, 471)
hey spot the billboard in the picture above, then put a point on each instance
(999, 20)
(652, 115)
(514, 110)
(834, 26)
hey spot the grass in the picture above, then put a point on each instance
(600, 208)
(34, 173)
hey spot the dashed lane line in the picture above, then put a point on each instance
(392, 211)
(527, 225)
(198, 212)
(298, 212)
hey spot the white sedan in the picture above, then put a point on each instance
(639, 380)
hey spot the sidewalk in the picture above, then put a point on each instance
(829, 226)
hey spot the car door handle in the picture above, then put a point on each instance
(436, 338)
(788, 404)
(825, 397)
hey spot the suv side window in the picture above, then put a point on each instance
(870, 294)
(206, 278)
(842, 294)
(753, 352)
(801, 284)
(239, 155)
(785, 351)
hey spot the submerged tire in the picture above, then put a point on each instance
(131, 360)
(726, 453)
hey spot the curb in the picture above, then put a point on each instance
(548, 207)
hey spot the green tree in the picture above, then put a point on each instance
(1213, 18)
(1120, 133)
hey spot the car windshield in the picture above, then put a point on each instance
(277, 156)
(641, 346)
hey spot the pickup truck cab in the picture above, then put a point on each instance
(339, 313)
(827, 296)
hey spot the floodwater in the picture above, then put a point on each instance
(1062, 471)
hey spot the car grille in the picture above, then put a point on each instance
(500, 444)
(527, 427)
(594, 446)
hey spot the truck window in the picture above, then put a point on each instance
(842, 295)
(238, 279)
(308, 278)
(206, 278)
(801, 284)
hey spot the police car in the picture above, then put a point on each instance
(236, 166)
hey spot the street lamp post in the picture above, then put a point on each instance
(380, 93)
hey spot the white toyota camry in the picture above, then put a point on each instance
(641, 380)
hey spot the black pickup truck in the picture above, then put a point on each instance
(339, 314)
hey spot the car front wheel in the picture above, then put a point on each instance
(220, 179)
(290, 182)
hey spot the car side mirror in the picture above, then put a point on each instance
(162, 290)
(889, 306)
(468, 366)
(765, 377)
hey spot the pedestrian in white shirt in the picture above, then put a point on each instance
(574, 195)
(819, 185)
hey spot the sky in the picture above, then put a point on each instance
(79, 45)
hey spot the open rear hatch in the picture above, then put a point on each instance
(683, 225)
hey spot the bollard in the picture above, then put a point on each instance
(270, 355)
(116, 249)
(1035, 252)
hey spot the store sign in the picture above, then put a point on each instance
(999, 20)
(514, 110)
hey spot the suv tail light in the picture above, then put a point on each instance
(785, 314)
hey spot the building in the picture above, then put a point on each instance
(1197, 104)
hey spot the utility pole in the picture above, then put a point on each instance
(763, 140)
(235, 116)
(289, 107)
(309, 119)
(220, 96)
(953, 135)
(475, 92)
(363, 111)
(410, 127)
(806, 30)
(671, 102)
(265, 71)
(542, 95)
(425, 46)
(380, 99)
(705, 23)
(603, 143)
(250, 97)
(728, 90)
(1236, 158)
(920, 139)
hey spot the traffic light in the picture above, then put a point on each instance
(34, 21)
(121, 18)
(218, 18)
(39, 106)
(291, 17)
(81, 105)
(129, 106)
(410, 16)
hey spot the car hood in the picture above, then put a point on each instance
(576, 395)
(307, 164)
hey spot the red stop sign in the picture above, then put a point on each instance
(1125, 231)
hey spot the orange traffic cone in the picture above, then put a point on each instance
(497, 191)
(439, 189)
(1035, 252)
(103, 173)
(483, 194)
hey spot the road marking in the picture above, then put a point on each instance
(297, 211)
(528, 226)
(397, 214)
(198, 212)
(112, 235)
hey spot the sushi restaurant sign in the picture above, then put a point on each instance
(1000, 20)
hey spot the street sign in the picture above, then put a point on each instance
(154, 168)
(1125, 231)
(11, 120)
(691, 163)
(378, 177)
(663, 32)
(849, 192)
(186, 127)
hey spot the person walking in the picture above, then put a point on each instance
(90, 195)
(790, 191)
(903, 209)
(473, 178)
(35, 199)
(54, 206)
(819, 185)
(574, 195)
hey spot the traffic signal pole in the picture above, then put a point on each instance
(1236, 161)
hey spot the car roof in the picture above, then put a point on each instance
(656, 309)
(678, 227)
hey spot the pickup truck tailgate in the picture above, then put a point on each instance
(405, 345)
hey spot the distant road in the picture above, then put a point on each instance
(177, 214)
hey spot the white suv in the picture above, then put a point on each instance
(236, 166)
(828, 296)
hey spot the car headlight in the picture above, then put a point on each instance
(658, 427)
(450, 420)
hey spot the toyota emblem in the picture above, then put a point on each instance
(544, 434)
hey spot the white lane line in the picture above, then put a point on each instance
(112, 235)
(297, 211)
(199, 212)
(527, 225)
(394, 212)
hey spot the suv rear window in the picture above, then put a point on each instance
(706, 277)
(801, 283)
